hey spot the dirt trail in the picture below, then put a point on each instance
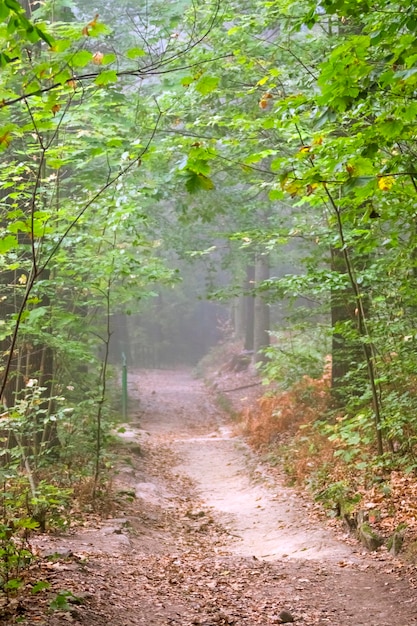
(267, 522)
(263, 519)
(211, 538)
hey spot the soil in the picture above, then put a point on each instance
(205, 534)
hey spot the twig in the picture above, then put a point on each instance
(242, 387)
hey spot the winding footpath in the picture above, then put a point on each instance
(210, 538)
(266, 521)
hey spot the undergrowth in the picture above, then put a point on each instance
(47, 476)
(332, 455)
(217, 358)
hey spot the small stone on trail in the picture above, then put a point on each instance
(195, 514)
(59, 553)
(285, 617)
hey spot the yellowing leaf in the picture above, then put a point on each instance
(311, 188)
(94, 21)
(386, 182)
(198, 182)
(86, 30)
(293, 187)
(265, 100)
(98, 58)
(22, 279)
(5, 140)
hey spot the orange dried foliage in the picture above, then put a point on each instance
(308, 454)
(283, 414)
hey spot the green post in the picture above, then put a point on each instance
(124, 386)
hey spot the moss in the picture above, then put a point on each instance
(369, 537)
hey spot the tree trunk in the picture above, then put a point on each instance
(262, 314)
(249, 307)
(347, 353)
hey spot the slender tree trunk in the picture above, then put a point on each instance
(239, 317)
(364, 335)
(249, 306)
(341, 313)
(262, 314)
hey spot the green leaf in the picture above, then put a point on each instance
(4, 11)
(13, 584)
(8, 243)
(357, 181)
(81, 58)
(259, 156)
(57, 163)
(4, 59)
(199, 166)
(198, 182)
(276, 164)
(64, 76)
(109, 58)
(60, 602)
(207, 84)
(276, 194)
(36, 314)
(99, 29)
(268, 123)
(13, 5)
(31, 34)
(44, 36)
(134, 53)
(391, 128)
(40, 586)
(106, 78)
(13, 25)
(17, 226)
(61, 45)
(186, 81)
(115, 143)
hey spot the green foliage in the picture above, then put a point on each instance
(294, 354)
(15, 554)
(338, 498)
(353, 435)
(61, 602)
(40, 585)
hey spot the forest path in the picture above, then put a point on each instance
(211, 538)
(265, 520)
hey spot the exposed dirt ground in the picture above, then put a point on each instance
(206, 535)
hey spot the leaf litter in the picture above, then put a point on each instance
(175, 554)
